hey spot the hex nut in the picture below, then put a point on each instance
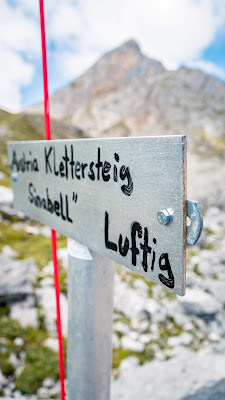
(163, 217)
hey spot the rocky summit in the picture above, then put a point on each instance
(128, 94)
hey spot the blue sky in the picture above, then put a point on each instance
(176, 32)
(215, 52)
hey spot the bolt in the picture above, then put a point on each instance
(164, 217)
(14, 176)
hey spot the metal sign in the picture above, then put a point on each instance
(124, 198)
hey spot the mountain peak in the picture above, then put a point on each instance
(130, 45)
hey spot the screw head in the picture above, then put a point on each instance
(164, 217)
(14, 176)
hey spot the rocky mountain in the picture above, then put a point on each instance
(128, 94)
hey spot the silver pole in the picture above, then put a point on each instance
(90, 295)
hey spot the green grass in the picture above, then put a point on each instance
(5, 182)
(120, 354)
(191, 252)
(167, 329)
(63, 279)
(209, 231)
(208, 146)
(208, 246)
(18, 127)
(28, 245)
(40, 361)
(4, 311)
(196, 270)
(5, 366)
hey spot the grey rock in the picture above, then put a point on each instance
(121, 327)
(47, 270)
(25, 312)
(132, 303)
(214, 218)
(6, 196)
(140, 326)
(196, 302)
(48, 382)
(52, 343)
(140, 285)
(55, 390)
(128, 363)
(19, 341)
(47, 282)
(211, 262)
(16, 278)
(129, 343)
(145, 338)
(14, 361)
(115, 341)
(176, 378)
(43, 393)
(214, 337)
(214, 392)
(7, 392)
(185, 339)
(38, 230)
(63, 256)
(46, 299)
(6, 202)
(7, 251)
(217, 289)
(3, 380)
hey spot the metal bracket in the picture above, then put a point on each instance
(194, 230)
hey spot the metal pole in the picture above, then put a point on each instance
(90, 295)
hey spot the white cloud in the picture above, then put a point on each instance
(19, 44)
(18, 32)
(14, 74)
(70, 65)
(172, 31)
(175, 32)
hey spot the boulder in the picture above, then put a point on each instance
(183, 377)
(6, 202)
(199, 303)
(214, 392)
(16, 278)
(217, 289)
(25, 312)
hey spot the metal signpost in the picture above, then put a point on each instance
(123, 198)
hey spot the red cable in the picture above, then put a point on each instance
(54, 245)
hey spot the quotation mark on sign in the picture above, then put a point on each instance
(74, 197)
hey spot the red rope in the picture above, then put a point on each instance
(54, 245)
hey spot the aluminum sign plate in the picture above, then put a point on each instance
(106, 194)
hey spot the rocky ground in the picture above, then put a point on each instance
(164, 346)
